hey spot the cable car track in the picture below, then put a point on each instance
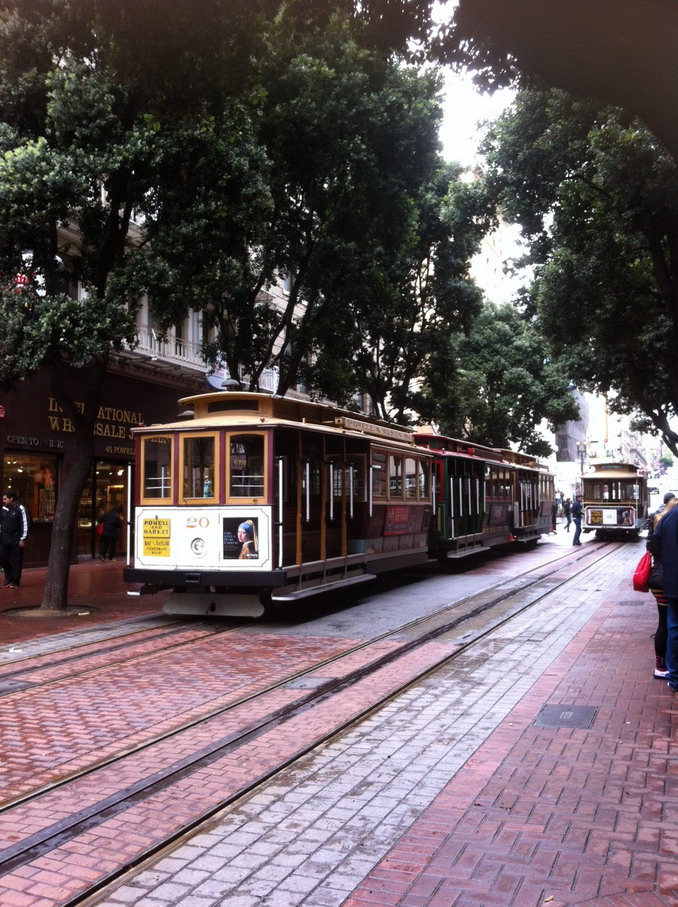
(498, 598)
(489, 597)
(10, 677)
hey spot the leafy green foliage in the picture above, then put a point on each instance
(497, 384)
(619, 53)
(597, 196)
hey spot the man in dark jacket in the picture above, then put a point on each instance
(577, 513)
(665, 549)
(13, 532)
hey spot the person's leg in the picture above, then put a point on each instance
(4, 563)
(660, 670)
(14, 564)
(577, 532)
(661, 632)
(672, 642)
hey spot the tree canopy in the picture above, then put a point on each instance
(597, 197)
(620, 52)
(101, 127)
(497, 384)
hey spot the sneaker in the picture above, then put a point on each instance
(6, 585)
(660, 669)
(12, 586)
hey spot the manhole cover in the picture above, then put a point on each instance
(581, 716)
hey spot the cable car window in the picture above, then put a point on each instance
(410, 478)
(156, 458)
(246, 466)
(396, 476)
(358, 465)
(198, 458)
(424, 479)
(379, 480)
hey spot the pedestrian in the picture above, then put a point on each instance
(14, 527)
(576, 512)
(111, 524)
(657, 590)
(651, 521)
(665, 549)
(554, 516)
(567, 510)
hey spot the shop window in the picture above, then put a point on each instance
(246, 466)
(156, 480)
(32, 477)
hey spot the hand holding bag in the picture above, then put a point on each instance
(641, 578)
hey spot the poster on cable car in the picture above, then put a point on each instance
(403, 520)
(241, 538)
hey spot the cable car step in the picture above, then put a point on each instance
(325, 587)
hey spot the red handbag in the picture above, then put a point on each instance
(641, 578)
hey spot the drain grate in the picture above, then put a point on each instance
(574, 716)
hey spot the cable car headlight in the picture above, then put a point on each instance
(198, 547)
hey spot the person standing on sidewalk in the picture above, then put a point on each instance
(653, 517)
(110, 533)
(14, 526)
(665, 549)
(576, 519)
(567, 510)
(657, 590)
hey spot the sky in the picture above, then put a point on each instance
(464, 107)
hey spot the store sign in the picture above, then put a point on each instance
(112, 422)
(25, 441)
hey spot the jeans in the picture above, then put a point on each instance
(672, 642)
(577, 530)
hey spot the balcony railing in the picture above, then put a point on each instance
(175, 349)
(171, 349)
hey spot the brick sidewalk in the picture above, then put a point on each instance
(555, 815)
(451, 795)
(93, 585)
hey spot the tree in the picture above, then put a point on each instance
(597, 197)
(498, 383)
(89, 108)
(81, 97)
(621, 52)
(318, 185)
(423, 298)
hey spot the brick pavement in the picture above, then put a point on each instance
(452, 795)
(96, 596)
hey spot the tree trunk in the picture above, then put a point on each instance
(55, 593)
